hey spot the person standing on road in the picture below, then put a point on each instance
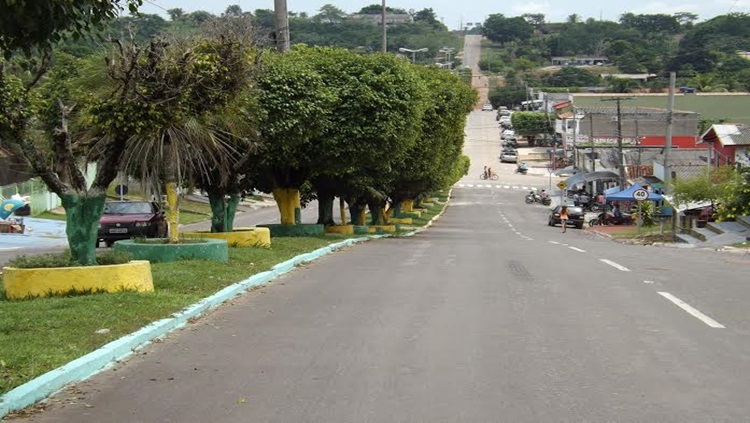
(564, 218)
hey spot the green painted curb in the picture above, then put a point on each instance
(206, 249)
(279, 230)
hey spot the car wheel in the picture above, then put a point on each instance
(98, 244)
(109, 243)
(579, 226)
(550, 223)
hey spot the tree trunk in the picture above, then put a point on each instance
(325, 209)
(173, 212)
(218, 212)
(82, 214)
(288, 201)
(357, 213)
(407, 206)
(232, 202)
(223, 211)
(377, 212)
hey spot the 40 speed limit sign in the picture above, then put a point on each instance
(640, 195)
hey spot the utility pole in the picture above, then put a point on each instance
(384, 47)
(621, 165)
(668, 146)
(593, 142)
(670, 118)
(282, 26)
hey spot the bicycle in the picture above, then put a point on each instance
(492, 177)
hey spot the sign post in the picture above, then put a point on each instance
(562, 185)
(640, 195)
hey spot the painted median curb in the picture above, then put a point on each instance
(103, 358)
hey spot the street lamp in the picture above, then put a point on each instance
(447, 51)
(413, 52)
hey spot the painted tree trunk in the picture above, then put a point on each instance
(173, 212)
(342, 210)
(325, 209)
(223, 212)
(377, 213)
(82, 214)
(407, 206)
(288, 201)
(357, 213)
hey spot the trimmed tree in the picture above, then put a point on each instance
(532, 124)
(433, 162)
(372, 124)
(295, 108)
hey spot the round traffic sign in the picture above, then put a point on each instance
(121, 189)
(562, 185)
(640, 194)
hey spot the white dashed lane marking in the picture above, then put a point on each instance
(692, 311)
(615, 265)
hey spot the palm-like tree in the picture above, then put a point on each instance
(180, 106)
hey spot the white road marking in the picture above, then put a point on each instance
(615, 265)
(2, 250)
(648, 281)
(515, 187)
(577, 249)
(470, 185)
(554, 242)
(506, 186)
(489, 186)
(695, 313)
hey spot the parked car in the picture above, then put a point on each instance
(131, 219)
(508, 134)
(509, 157)
(576, 216)
(487, 108)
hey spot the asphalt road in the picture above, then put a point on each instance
(489, 316)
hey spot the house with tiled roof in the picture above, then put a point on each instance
(729, 143)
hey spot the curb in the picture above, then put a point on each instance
(103, 358)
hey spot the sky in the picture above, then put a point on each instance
(453, 13)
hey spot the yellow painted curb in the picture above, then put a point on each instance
(426, 204)
(239, 237)
(382, 228)
(40, 282)
(401, 220)
(340, 229)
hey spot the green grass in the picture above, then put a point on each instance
(632, 232)
(734, 108)
(51, 216)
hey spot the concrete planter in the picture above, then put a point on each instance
(340, 229)
(381, 229)
(401, 220)
(40, 282)
(239, 237)
(280, 230)
(203, 249)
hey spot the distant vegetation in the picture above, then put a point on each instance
(330, 27)
(705, 55)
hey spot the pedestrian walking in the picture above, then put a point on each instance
(564, 218)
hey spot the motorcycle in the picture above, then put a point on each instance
(533, 197)
(522, 170)
(608, 218)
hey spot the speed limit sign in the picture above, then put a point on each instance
(640, 195)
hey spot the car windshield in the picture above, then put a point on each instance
(128, 208)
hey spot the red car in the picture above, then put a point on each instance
(131, 219)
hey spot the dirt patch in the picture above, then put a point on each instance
(648, 239)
